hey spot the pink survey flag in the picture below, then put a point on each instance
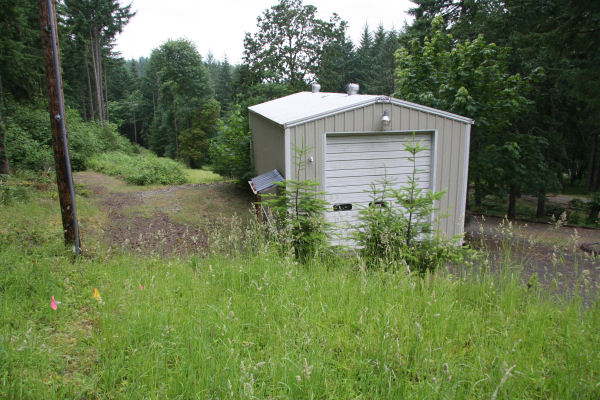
(53, 304)
(141, 287)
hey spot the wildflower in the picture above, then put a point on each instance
(96, 294)
(141, 287)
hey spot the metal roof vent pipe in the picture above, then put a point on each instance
(315, 87)
(352, 88)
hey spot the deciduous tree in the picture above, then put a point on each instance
(290, 43)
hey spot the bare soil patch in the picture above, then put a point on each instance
(162, 219)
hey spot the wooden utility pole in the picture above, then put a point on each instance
(58, 124)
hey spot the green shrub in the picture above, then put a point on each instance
(594, 208)
(10, 194)
(139, 169)
(555, 210)
(577, 204)
(29, 139)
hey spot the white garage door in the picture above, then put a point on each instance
(353, 162)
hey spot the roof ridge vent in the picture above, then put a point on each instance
(352, 89)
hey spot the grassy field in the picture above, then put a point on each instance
(251, 323)
(203, 175)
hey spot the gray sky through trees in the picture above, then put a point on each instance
(218, 26)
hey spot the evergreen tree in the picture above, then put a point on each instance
(338, 66)
(223, 81)
(92, 26)
(180, 88)
(364, 59)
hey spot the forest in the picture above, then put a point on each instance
(527, 71)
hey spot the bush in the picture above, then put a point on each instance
(577, 204)
(141, 169)
(594, 208)
(12, 193)
(555, 210)
(29, 139)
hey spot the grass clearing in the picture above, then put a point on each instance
(204, 175)
(254, 324)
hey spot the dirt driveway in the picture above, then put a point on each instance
(162, 219)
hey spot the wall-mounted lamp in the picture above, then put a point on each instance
(386, 117)
(311, 159)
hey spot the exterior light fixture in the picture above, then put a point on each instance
(386, 117)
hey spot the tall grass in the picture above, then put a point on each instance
(256, 324)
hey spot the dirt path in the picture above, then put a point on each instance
(163, 220)
(552, 253)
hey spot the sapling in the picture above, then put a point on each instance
(397, 228)
(299, 209)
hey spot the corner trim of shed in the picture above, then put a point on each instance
(288, 153)
(466, 181)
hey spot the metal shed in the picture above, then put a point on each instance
(358, 139)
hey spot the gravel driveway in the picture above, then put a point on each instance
(553, 253)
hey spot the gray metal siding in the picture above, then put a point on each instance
(353, 162)
(268, 143)
(450, 174)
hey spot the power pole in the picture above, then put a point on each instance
(58, 124)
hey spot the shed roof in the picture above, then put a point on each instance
(302, 107)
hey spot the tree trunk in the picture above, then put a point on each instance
(153, 106)
(106, 95)
(596, 185)
(83, 107)
(134, 128)
(478, 195)
(96, 67)
(176, 135)
(592, 175)
(99, 64)
(89, 84)
(4, 167)
(541, 204)
(512, 202)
